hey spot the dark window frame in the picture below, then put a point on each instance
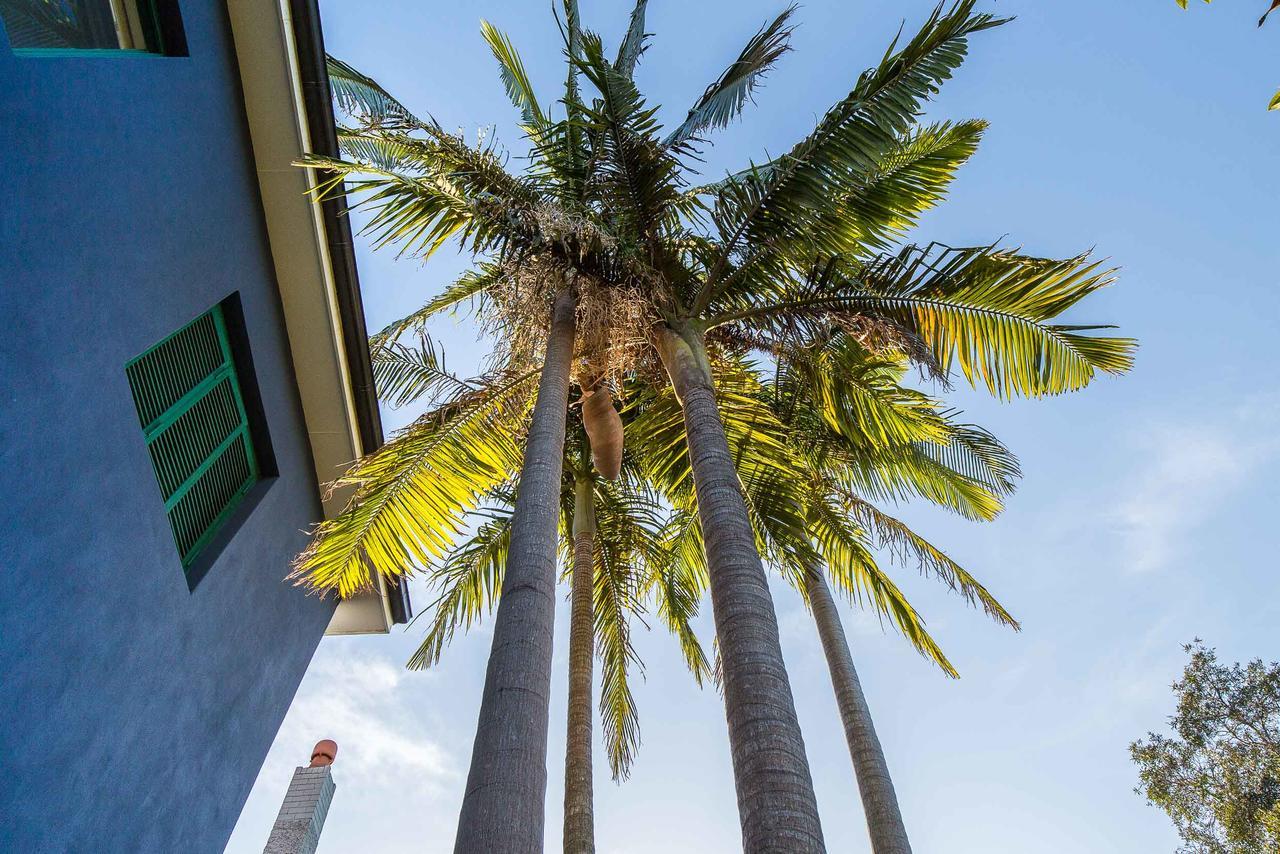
(159, 20)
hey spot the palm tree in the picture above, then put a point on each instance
(609, 525)
(529, 230)
(665, 275)
(960, 467)
(775, 425)
(796, 245)
(804, 467)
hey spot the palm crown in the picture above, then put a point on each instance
(606, 247)
(770, 259)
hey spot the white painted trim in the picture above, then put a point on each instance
(276, 111)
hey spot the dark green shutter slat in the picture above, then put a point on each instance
(163, 375)
(192, 413)
(196, 515)
(194, 435)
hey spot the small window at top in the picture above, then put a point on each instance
(61, 25)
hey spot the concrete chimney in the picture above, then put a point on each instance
(297, 828)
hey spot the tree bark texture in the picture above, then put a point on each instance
(879, 801)
(503, 808)
(776, 803)
(579, 815)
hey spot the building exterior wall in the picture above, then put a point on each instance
(134, 712)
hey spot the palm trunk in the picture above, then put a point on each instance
(879, 801)
(776, 803)
(504, 805)
(579, 816)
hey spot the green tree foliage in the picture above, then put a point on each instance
(684, 295)
(1218, 775)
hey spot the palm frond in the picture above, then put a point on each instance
(724, 99)
(985, 308)
(975, 453)
(988, 309)
(626, 533)
(857, 394)
(382, 150)
(906, 179)
(405, 373)
(570, 149)
(635, 178)
(363, 98)
(419, 212)
(907, 546)
(851, 137)
(469, 582)
(853, 568)
(471, 285)
(410, 496)
(781, 199)
(677, 582)
(514, 78)
(633, 43)
(901, 473)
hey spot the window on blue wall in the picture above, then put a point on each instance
(197, 405)
(96, 25)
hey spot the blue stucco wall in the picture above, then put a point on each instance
(134, 712)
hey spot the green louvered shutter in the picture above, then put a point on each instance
(193, 417)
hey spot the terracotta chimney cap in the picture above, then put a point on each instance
(324, 753)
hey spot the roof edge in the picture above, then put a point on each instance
(308, 37)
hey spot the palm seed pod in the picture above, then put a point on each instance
(604, 430)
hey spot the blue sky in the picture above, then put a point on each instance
(1147, 513)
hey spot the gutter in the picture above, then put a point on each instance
(321, 124)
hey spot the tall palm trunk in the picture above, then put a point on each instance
(579, 816)
(507, 786)
(879, 801)
(776, 803)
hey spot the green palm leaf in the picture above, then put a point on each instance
(362, 97)
(636, 179)
(411, 495)
(984, 308)
(855, 572)
(405, 373)
(633, 43)
(781, 198)
(724, 99)
(514, 78)
(469, 581)
(907, 546)
(470, 286)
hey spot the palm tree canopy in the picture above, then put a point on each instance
(771, 254)
(800, 259)
(773, 259)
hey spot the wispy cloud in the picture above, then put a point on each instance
(361, 702)
(1185, 472)
(375, 710)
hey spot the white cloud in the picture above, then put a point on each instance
(376, 712)
(1185, 473)
(360, 701)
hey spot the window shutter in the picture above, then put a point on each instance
(193, 417)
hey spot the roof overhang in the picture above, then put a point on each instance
(280, 50)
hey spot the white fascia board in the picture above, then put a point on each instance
(276, 111)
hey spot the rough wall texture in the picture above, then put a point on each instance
(134, 712)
